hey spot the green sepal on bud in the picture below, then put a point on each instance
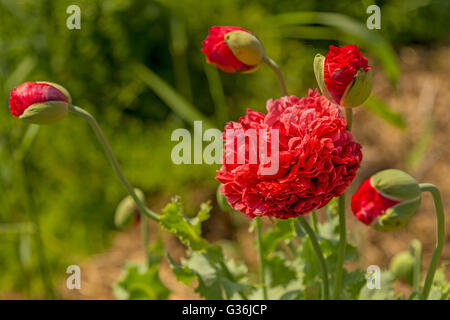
(222, 201)
(48, 112)
(127, 210)
(319, 66)
(245, 47)
(398, 186)
(359, 89)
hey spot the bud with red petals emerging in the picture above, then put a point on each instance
(39, 102)
(387, 200)
(233, 49)
(344, 76)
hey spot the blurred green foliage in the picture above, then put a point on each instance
(57, 177)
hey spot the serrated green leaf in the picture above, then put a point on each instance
(187, 230)
(280, 273)
(182, 273)
(140, 282)
(282, 230)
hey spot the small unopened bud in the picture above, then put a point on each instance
(40, 102)
(127, 211)
(402, 266)
(246, 47)
(233, 49)
(387, 200)
(344, 76)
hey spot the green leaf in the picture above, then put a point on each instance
(217, 279)
(187, 230)
(280, 273)
(283, 230)
(142, 282)
(440, 289)
(170, 96)
(182, 273)
(352, 283)
(379, 108)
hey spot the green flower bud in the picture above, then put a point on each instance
(402, 266)
(245, 47)
(127, 210)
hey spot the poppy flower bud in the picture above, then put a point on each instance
(387, 200)
(127, 211)
(402, 266)
(233, 49)
(344, 76)
(39, 102)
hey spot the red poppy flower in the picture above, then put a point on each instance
(233, 49)
(317, 158)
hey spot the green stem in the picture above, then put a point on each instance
(416, 248)
(145, 237)
(112, 159)
(440, 235)
(349, 118)
(262, 276)
(322, 263)
(342, 228)
(314, 221)
(342, 245)
(281, 81)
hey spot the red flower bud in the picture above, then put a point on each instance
(344, 75)
(387, 200)
(39, 102)
(233, 49)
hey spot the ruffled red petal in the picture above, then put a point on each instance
(317, 157)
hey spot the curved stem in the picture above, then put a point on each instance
(322, 263)
(342, 245)
(440, 235)
(282, 82)
(262, 276)
(112, 159)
